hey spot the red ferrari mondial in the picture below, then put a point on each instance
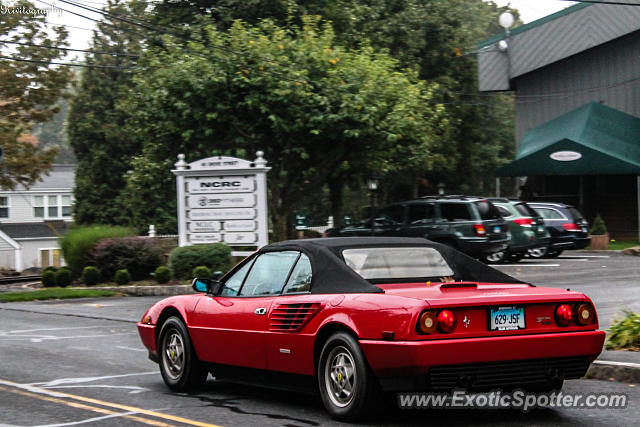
(357, 316)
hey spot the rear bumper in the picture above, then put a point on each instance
(148, 337)
(569, 242)
(411, 361)
(481, 246)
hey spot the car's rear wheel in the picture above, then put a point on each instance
(180, 368)
(347, 386)
(495, 257)
(537, 252)
(553, 254)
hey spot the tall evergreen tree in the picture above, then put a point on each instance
(96, 126)
(29, 88)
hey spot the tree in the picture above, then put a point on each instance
(96, 127)
(320, 112)
(29, 88)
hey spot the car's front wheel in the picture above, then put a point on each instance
(347, 386)
(180, 368)
(537, 252)
(495, 257)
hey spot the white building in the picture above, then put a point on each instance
(32, 219)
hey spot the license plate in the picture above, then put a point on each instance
(584, 229)
(507, 318)
(541, 228)
(496, 229)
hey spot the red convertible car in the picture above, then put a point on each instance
(358, 316)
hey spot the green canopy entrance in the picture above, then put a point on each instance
(591, 140)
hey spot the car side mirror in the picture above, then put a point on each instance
(201, 284)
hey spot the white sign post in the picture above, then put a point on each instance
(222, 199)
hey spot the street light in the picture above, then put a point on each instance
(372, 186)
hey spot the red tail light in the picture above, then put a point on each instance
(480, 231)
(525, 222)
(586, 315)
(564, 314)
(446, 321)
(571, 227)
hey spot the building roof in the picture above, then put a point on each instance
(59, 177)
(607, 140)
(45, 229)
(552, 39)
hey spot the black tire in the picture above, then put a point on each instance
(346, 397)
(515, 257)
(553, 254)
(180, 368)
(494, 257)
(537, 253)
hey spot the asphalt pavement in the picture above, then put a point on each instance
(81, 363)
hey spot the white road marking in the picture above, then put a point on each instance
(89, 420)
(21, 331)
(524, 265)
(134, 388)
(80, 380)
(131, 348)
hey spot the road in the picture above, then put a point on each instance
(81, 363)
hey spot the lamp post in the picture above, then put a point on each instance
(372, 186)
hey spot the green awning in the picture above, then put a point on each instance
(591, 140)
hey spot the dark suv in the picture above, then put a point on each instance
(566, 225)
(470, 224)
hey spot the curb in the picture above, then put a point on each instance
(614, 371)
(147, 291)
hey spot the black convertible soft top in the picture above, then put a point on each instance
(332, 275)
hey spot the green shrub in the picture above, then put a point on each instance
(50, 268)
(48, 278)
(63, 277)
(202, 272)
(122, 277)
(624, 334)
(138, 255)
(90, 275)
(162, 274)
(76, 245)
(598, 227)
(183, 260)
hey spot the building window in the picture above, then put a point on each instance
(38, 206)
(66, 206)
(50, 257)
(4, 207)
(52, 206)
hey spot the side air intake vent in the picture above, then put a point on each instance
(292, 317)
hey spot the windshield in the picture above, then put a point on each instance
(525, 210)
(397, 263)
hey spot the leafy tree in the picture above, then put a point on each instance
(96, 127)
(29, 88)
(320, 112)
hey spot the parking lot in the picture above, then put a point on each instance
(82, 363)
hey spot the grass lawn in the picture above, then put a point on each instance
(622, 244)
(54, 293)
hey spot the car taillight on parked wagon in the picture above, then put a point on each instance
(525, 222)
(586, 315)
(571, 227)
(480, 230)
(446, 321)
(564, 314)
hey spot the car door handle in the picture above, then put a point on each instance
(260, 310)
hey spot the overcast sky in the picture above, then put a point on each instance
(80, 36)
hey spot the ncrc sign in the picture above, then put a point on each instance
(222, 199)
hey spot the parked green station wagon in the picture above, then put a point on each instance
(527, 228)
(472, 225)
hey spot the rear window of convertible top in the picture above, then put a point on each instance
(397, 263)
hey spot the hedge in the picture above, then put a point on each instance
(48, 278)
(162, 274)
(138, 255)
(182, 261)
(202, 272)
(90, 275)
(122, 277)
(76, 245)
(63, 277)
